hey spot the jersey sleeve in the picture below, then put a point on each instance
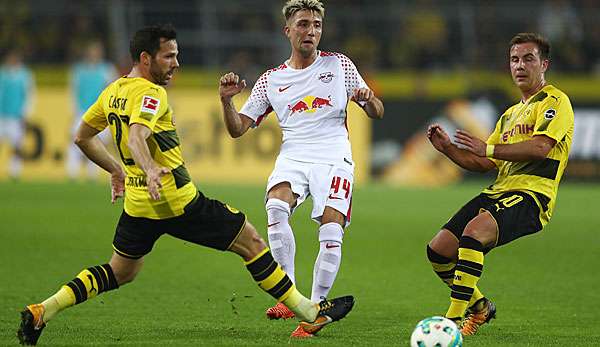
(94, 116)
(353, 79)
(148, 107)
(258, 106)
(554, 117)
(494, 137)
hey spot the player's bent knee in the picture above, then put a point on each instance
(331, 215)
(249, 243)
(482, 228)
(283, 191)
(445, 244)
(278, 207)
(331, 232)
(125, 269)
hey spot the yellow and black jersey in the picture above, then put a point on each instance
(137, 100)
(549, 113)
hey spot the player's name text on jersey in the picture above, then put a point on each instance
(118, 103)
(136, 181)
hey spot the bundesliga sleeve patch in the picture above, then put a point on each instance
(150, 105)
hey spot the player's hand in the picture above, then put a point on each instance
(362, 95)
(230, 85)
(470, 143)
(117, 185)
(153, 177)
(438, 137)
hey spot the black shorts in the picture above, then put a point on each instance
(205, 222)
(516, 213)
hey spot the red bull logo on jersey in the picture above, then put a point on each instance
(310, 104)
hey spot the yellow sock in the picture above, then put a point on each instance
(272, 279)
(475, 297)
(88, 283)
(303, 308)
(444, 268)
(468, 271)
(62, 299)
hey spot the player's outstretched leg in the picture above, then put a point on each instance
(271, 278)
(328, 261)
(283, 248)
(468, 271)
(444, 269)
(87, 285)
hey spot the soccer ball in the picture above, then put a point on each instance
(436, 332)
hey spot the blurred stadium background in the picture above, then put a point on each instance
(442, 61)
(429, 60)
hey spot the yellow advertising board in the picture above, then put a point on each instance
(210, 154)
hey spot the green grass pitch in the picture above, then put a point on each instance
(545, 286)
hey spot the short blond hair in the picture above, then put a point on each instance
(292, 6)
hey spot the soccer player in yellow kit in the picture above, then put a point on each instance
(529, 147)
(160, 196)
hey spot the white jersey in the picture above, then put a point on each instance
(310, 105)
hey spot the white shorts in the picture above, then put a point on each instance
(329, 185)
(13, 130)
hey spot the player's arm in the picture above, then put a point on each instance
(94, 149)
(372, 105)
(236, 123)
(461, 157)
(138, 147)
(535, 149)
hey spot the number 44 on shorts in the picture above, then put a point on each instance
(336, 184)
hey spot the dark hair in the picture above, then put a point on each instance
(539, 40)
(148, 40)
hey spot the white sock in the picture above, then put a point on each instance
(328, 260)
(281, 237)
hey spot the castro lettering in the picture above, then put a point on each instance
(118, 103)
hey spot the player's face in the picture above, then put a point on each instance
(164, 63)
(526, 66)
(304, 31)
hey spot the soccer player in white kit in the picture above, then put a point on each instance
(309, 94)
